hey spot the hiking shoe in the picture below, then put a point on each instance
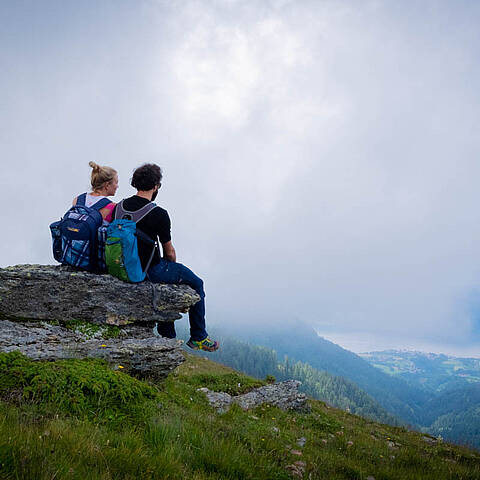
(206, 344)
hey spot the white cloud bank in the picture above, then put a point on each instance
(321, 158)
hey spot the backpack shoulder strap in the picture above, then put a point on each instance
(142, 212)
(143, 237)
(119, 211)
(101, 204)
(81, 199)
(137, 215)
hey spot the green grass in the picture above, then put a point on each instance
(81, 420)
(86, 389)
(91, 329)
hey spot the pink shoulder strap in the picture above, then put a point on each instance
(110, 208)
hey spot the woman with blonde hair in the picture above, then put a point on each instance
(78, 238)
(104, 182)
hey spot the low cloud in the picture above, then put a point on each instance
(320, 158)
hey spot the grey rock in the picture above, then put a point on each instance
(48, 292)
(301, 442)
(134, 350)
(221, 401)
(284, 395)
(429, 440)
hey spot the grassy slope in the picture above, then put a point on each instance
(122, 428)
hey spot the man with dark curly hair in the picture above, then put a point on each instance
(147, 179)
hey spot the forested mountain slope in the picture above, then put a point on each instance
(453, 410)
(301, 343)
(337, 391)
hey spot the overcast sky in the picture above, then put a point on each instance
(321, 158)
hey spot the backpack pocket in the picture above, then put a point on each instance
(75, 253)
(56, 241)
(114, 259)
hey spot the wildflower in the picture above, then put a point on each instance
(120, 366)
(103, 345)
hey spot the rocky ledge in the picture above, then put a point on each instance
(54, 312)
(48, 292)
(134, 349)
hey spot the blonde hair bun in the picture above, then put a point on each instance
(101, 175)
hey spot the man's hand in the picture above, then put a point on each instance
(169, 252)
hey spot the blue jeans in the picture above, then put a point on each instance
(172, 272)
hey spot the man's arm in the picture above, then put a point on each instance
(169, 252)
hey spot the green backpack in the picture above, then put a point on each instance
(121, 248)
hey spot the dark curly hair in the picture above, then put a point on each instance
(146, 177)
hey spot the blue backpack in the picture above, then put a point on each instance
(75, 236)
(121, 247)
